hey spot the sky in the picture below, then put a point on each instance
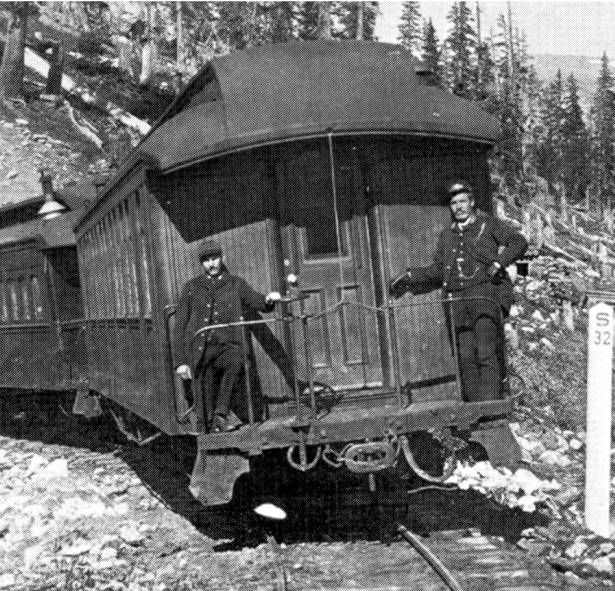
(555, 27)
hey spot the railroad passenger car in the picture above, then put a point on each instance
(42, 333)
(325, 160)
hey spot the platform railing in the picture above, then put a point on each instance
(389, 311)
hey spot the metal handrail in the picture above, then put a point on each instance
(389, 308)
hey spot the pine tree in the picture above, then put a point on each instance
(431, 53)
(575, 145)
(347, 15)
(281, 21)
(307, 20)
(236, 23)
(461, 43)
(602, 137)
(484, 80)
(508, 89)
(200, 35)
(12, 66)
(549, 152)
(410, 27)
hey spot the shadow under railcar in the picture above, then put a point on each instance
(321, 506)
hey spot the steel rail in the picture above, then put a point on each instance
(433, 561)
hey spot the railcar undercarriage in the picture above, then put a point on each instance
(365, 431)
(363, 442)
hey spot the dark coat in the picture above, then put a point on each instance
(488, 240)
(204, 302)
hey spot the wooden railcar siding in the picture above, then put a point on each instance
(394, 186)
(230, 201)
(123, 337)
(35, 299)
(407, 180)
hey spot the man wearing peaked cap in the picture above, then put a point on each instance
(470, 265)
(215, 297)
(209, 248)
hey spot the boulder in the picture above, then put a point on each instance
(7, 580)
(537, 316)
(555, 458)
(602, 565)
(576, 550)
(131, 534)
(568, 496)
(575, 444)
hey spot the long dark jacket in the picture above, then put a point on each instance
(204, 302)
(487, 240)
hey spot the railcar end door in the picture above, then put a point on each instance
(343, 339)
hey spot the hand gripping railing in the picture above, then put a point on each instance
(388, 310)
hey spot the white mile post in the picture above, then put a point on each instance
(599, 382)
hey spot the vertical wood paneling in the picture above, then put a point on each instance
(407, 180)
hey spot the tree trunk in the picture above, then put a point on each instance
(324, 20)
(360, 14)
(125, 52)
(568, 315)
(148, 57)
(180, 37)
(148, 47)
(511, 53)
(56, 67)
(563, 203)
(12, 67)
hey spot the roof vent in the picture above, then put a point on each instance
(425, 73)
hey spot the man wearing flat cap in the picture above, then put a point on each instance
(470, 265)
(214, 297)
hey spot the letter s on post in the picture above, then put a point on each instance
(602, 319)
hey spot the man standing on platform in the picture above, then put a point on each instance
(214, 297)
(470, 265)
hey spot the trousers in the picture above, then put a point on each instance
(476, 324)
(223, 361)
(480, 364)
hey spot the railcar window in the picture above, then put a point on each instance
(114, 255)
(108, 286)
(320, 233)
(142, 258)
(37, 301)
(117, 264)
(14, 305)
(96, 271)
(25, 299)
(132, 262)
(4, 308)
(85, 258)
(126, 262)
(99, 289)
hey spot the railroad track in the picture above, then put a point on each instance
(481, 563)
(450, 561)
(328, 546)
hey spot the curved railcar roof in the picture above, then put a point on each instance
(283, 91)
(286, 91)
(53, 233)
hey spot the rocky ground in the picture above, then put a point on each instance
(80, 508)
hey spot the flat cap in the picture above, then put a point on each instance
(458, 186)
(209, 248)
